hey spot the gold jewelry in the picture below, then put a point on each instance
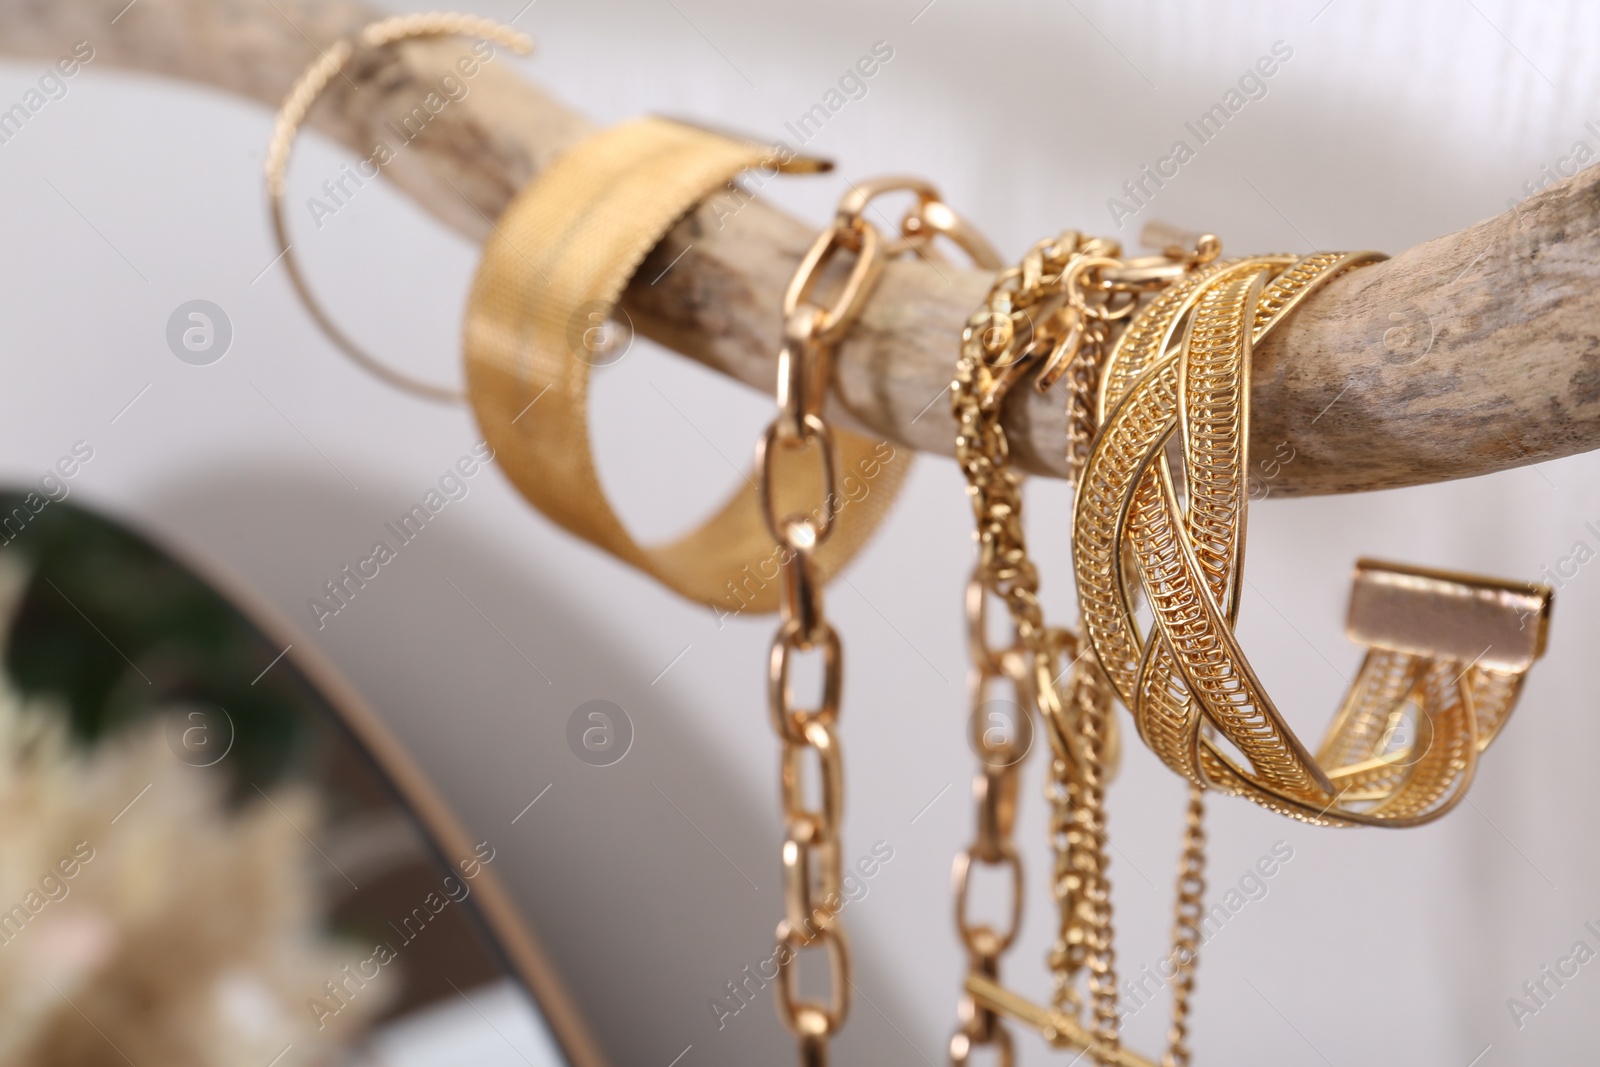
(1447, 653)
(1402, 749)
(1052, 317)
(292, 115)
(812, 860)
(555, 267)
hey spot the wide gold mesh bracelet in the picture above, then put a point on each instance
(558, 261)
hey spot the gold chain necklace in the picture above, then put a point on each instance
(1051, 316)
(812, 858)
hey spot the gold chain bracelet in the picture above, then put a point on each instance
(812, 860)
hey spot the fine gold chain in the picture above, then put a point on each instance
(1052, 316)
(988, 366)
(812, 856)
(1447, 653)
(1186, 926)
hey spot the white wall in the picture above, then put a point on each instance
(1389, 125)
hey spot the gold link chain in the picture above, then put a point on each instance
(812, 853)
(1186, 926)
(1052, 317)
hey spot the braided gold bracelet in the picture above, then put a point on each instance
(1446, 653)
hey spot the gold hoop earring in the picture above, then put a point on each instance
(292, 115)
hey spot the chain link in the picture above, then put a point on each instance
(1052, 316)
(1035, 315)
(1186, 927)
(1001, 748)
(812, 854)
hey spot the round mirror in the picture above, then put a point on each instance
(211, 851)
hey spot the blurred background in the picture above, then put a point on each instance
(654, 880)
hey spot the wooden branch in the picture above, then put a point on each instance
(1471, 353)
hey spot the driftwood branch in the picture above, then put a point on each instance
(1471, 353)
